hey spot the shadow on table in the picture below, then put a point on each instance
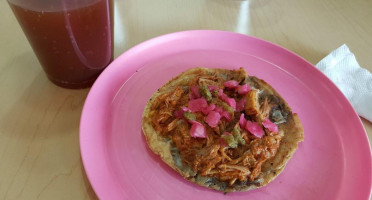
(91, 194)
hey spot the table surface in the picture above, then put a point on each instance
(39, 122)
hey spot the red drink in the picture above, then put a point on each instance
(71, 38)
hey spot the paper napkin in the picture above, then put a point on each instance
(354, 81)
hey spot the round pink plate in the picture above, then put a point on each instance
(334, 161)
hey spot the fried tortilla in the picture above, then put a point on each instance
(222, 129)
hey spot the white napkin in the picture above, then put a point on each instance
(354, 81)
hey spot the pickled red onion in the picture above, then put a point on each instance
(254, 128)
(208, 109)
(213, 118)
(219, 110)
(213, 87)
(195, 94)
(242, 121)
(222, 95)
(196, 105)
(231, 84)
(179, 113)
(231, 102)
(243, 89)
(270, 125)
(226, 115)
(241, 105)
(197, 130)
(223, 143)
(223, 113)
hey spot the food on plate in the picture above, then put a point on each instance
(221, 128)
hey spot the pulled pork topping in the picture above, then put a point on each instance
(220, 126)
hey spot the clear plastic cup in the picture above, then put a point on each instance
(72, 39)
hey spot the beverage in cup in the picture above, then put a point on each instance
(72, 39)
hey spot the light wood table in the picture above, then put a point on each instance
(39, 122)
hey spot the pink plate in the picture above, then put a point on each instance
(334, 161)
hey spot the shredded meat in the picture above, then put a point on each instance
(207, 156)
(258, 111)
(164, 106)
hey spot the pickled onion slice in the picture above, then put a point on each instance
(196, 105)
(179, 113)
(270, 125)
(243, 89)
(195, 94)
(213, 87)
(208, 109)
(223, 143)
(231, 102)
(242, 121)
(213, 118)
(197, 130)
(219, 110)
(231, 84)
(225, 114)
(222, 95)
(254, 128)
(240, 105)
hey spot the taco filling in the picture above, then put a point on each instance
(222, 127)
